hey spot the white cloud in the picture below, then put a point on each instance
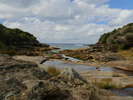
(124, 17)
(61, 28)
(20, 3)
(95, 2)
(63, 20)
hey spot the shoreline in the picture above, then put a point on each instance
(97, 58)
(38, 59)
(91, 76)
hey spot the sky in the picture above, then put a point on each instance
(122, 4)
(66, 21)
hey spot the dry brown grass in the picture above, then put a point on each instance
(106, 84)
(53, 71)
(116, 75)
(127, 53)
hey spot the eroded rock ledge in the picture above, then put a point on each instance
(22, 80)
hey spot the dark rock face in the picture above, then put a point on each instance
(41, 74)
(10, 88)
(46, 59)
(14, 74)
(7, 63)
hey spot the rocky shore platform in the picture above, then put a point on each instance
(99, 57)
(25, 80)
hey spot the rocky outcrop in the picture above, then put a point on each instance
(72, 76)
(42, 91)
(14, 75)
(7, 63)
(24, 80)
(11, 88)
(68, 78)
(40, 74)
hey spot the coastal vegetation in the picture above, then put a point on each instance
(107, 84)
(16, 38)
(16, 41)
(119, 39)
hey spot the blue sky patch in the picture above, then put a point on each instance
(122, 4)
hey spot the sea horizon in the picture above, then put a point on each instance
(65, 46)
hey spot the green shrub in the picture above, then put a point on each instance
(13, 38)
(106, 84)
(2, 46)
(119, 39)
(115, 75)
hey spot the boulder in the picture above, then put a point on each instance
(43, 91)
(11, 87)
(8, 63)
(70, 75)
(41, 74)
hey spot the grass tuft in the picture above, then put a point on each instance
(107, 85)
(53, 71)
(115, 75)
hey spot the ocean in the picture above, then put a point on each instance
(65, 46)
